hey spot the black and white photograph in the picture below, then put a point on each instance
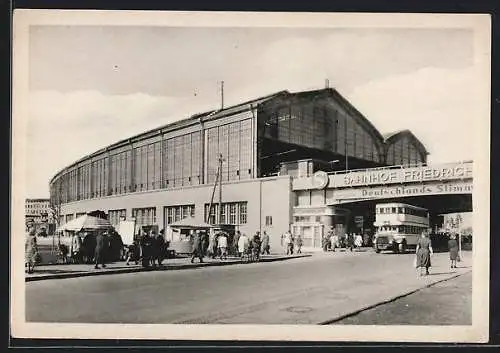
(250, 176)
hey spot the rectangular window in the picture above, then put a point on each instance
(232, 213)
(243, 213)
(269, 220)
(170, 215)
(175, 213)
(144, 216)
(115, 216)
(223, 214)
(211, 217)
(185, 212)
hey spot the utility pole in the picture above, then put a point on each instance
(222, 95)
(458, 225)
(220, 187)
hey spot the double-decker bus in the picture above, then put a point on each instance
(398, 226)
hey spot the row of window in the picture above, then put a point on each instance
(232, 213)
(401, 210)
(174, 214)
(169, 163)
(36, 205)
(404, 229)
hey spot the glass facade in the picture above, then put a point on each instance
(234, 142)
(403, 152)
(319, 126)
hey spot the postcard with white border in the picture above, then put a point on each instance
(250, 176)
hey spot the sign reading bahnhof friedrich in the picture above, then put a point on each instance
(406, 175)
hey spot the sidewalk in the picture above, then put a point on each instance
(60, 271)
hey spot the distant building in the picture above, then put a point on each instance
(37, 212)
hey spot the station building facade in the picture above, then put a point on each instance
(168, 173)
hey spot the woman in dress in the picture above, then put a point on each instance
(453, 249)
(31, 250)
(423, 253)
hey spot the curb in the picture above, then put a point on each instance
(140, 269)
(387, 301)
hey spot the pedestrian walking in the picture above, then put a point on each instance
(31, 251)
(62, 252)
(256, 245)
(204, 242)
(212, 245)
(265, 244)
(298, 244)
(288, 242)
(453, 249)
(89, 244)
(222, 245)
(197, 250)
(145, 242)
(350, 241)
(160, 248)
(100, 248)
(325, 243)
(236, 239)
(358, 241)
(243, 243)
(133, 252)
(334, 241)
(76, 249)
(423, 253)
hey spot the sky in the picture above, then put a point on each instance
(90, 86)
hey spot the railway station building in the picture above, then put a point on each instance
(166, 174)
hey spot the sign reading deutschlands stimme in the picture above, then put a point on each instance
(405, 175)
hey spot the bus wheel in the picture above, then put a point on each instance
(377, 250)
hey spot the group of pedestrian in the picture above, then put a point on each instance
(221, 245)
(85, 246)
(291, 243)
(148, 248)
(350, 241)
(424, 252)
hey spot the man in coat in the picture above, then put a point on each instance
(197, 250)
(265, 243)
(160, 248)
(100, 248)
(145, 242)
(236, 239)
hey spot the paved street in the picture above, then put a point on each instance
(300, 291)
(446, 303)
